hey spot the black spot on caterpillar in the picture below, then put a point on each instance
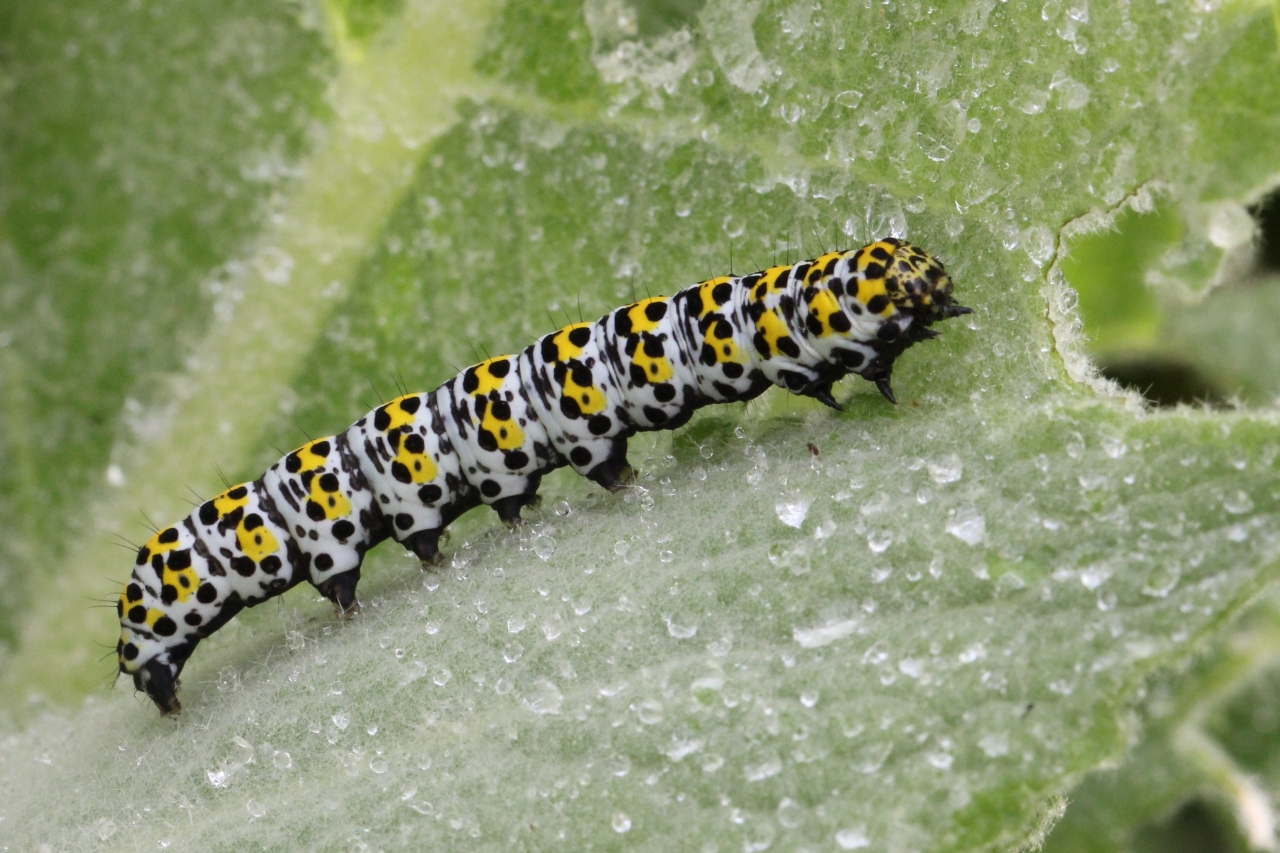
(407, 469)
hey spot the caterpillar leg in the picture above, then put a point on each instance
(822, 393)
(882, 385)
(613, 474)
(426, 545)
(508, 508)
(341, 590)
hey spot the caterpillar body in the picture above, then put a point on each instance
(410, 467)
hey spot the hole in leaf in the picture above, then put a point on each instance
(1164, 382)
(1267, 214)
(655, 17)
(1147, 333)
(1196, 827)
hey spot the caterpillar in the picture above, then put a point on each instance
(411, 466)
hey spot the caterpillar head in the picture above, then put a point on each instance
(153, 665)
(904, 290)
(157, 629)
(146, 650)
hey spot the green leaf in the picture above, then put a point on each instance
(905, 628)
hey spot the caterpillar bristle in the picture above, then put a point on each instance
(574, 397)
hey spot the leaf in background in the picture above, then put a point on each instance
(918, 637)
(140, 150)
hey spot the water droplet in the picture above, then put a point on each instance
(809, 698)
(106, 828)
(933, 148)
(969, 526)
(871, 757)
(1094, 576)
(853, 838)
(543, 698)
(791, 113)
(879, 541)
(650, 712)
(512, 652)
(794, 558)
(341, 720)
(275, 265)
(378, 765)
(1161, 581)
(442, 677)
(681, 632)
(1010, 582)
(793, 510)
(1037, 242)
(681, 748)
(1072, 94)
(1238, 504)
(849, 99)
(995, 745)
(769, 767)
(620, 822)
(823, 635)
(946, 469)
(282, 760)
(1114, 447)
(1030, 100)
(940, 760)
